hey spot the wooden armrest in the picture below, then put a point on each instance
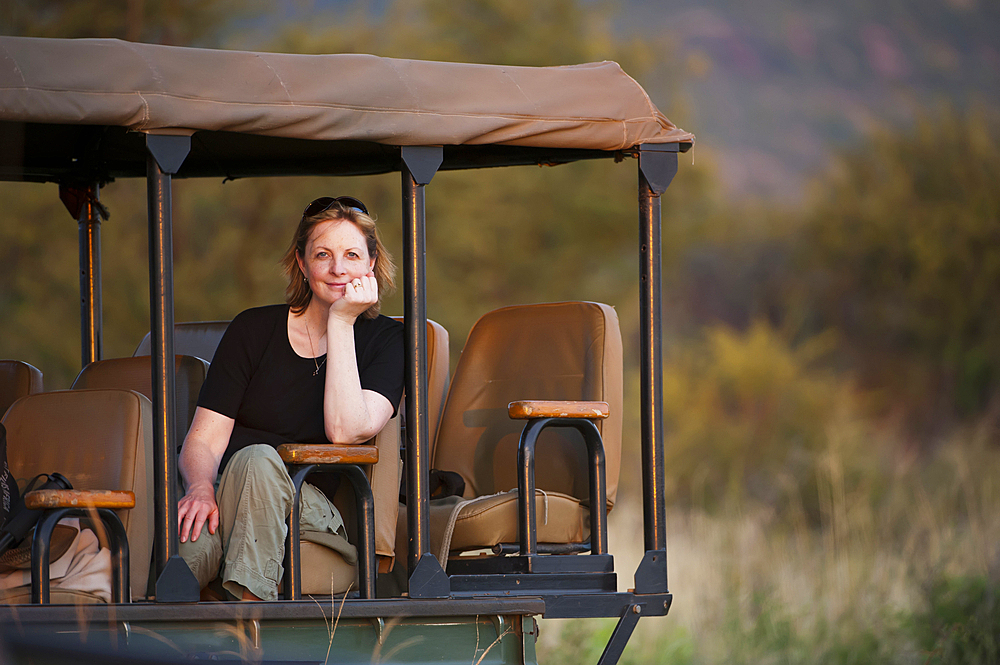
(327, 453)
(47, 499)
(525, 409)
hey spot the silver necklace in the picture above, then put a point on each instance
(312, 350)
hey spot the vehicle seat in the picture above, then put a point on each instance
(99, 440)
(320, 564)
(438, 372)
(569, 351)
(324, 571)
(136, 373)
(194, 338)
(17, 379)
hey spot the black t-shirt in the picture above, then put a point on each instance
(270, 391)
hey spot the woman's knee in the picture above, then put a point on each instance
(203, 556)
(259, 461)
(258, 455)
(259, 466)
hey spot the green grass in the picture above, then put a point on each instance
(901, 567)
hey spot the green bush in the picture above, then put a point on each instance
(960, 623)
(752, 416)
(900, 253)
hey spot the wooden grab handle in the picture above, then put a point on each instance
(525, 409)
(327, 453)
(47, 499)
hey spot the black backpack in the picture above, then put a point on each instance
(9, 496)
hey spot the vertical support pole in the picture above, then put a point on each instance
(174, 582)
(91, 309)
(657, 167)
(427, 578)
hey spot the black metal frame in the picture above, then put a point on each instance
(417, 166)
(657, 167)
(174, 580)
(83, 203)
(532, 573)
(365, 509)
(117, 541)
(526, 522)
(108, 152)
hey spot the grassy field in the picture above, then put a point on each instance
(900, 565)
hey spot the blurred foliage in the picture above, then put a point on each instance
(960, 623)
(793, 337)
(539, 233)
(584, 640)
(178, 22)
(781, 325)
(900, 254)
(754, 416)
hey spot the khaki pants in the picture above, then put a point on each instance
(254, 495)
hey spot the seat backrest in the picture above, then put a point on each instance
(99, 440)
(17, 379)
(136, 373)
(438, 372)
(553, 351)
(195, 338)
(384, 479)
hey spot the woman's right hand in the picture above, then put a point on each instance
(196, 508)
(198, 463)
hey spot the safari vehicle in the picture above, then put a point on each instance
(84, 112)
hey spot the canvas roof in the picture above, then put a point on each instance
(327, 98)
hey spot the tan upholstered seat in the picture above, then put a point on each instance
(319, 564)
(99, 440)
(17, 379)
(557, 351)
(438, 371)
(194, 338)
(136, 374)
(324, 569)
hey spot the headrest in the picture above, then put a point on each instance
(195, 338)
(17, 379)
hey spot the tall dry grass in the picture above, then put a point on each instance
(899, 563)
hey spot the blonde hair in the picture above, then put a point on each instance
(298, 294)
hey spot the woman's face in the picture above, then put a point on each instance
(336, 253)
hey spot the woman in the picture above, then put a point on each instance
(324, 367)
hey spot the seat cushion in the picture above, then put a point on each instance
(458, 524)
(324, 571)
(490, 520)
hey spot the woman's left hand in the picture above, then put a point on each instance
(360, 294)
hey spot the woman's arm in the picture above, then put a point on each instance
(350, 413)
(203, 448)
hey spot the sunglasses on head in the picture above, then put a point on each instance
(324, 203)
